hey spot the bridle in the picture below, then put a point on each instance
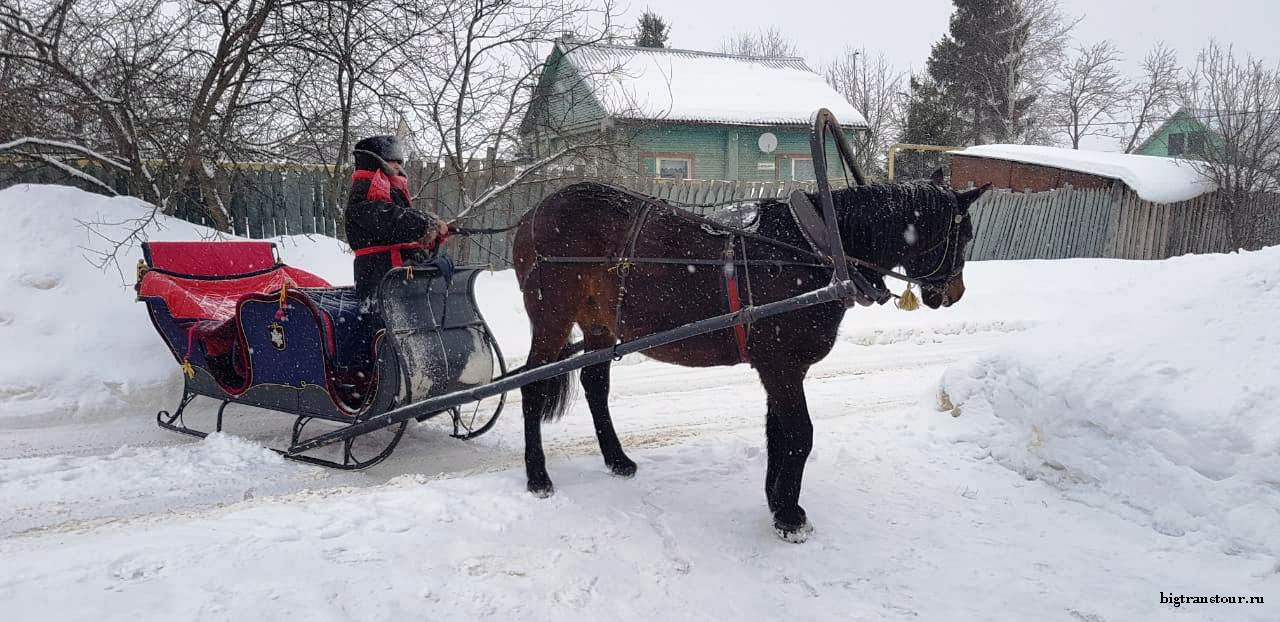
(927, 281)
(949, 242)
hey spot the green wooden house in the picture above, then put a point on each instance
(679, 114)
(1185, 134)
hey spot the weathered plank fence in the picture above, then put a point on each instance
(1088, 222)
(495, 250)
(267, 200)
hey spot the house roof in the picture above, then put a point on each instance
(685, 85)
(1155, 179)
(1202, 116)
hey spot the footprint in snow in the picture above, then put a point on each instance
(41, 280)
(135, 569)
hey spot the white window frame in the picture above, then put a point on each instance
(657, 166)
(793, 161)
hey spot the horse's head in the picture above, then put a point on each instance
(942, 236)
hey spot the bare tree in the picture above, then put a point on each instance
(1039, 39)
(335, 65)
(470, 81)
(224, 47)
(94, 59)
(1089, 90)
(764, 42)
(873, 86)
(1155, 95)
(1238, 100)
(154, 88)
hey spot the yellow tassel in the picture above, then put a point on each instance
(284, 300)
(188, 369)
(408, 273)
(908, 301)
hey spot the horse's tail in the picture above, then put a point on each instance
(550, 398)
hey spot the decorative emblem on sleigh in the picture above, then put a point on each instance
(275, 332)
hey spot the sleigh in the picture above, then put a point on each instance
(246, 329)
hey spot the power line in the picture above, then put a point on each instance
(1210, 116)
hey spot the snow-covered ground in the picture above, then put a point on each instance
(1069, 441)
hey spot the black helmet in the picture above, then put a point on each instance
(369, 151)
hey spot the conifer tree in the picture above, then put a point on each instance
(993, 63)
(653, 30)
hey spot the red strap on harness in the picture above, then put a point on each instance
(397, 260)
(740, 331)
(735, 304)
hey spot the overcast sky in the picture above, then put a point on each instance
(905, 29)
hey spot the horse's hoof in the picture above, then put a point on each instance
(793, 534)
(792, 525)
(625, 468)
(542, 490)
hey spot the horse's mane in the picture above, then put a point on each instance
(875, 216)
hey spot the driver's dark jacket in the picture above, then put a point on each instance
(379, 223)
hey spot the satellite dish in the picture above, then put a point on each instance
(767, 142)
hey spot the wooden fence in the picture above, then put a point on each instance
(263, 199)
(266, 200)
(1085, 222)
(495, 250)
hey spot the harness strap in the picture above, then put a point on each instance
(735, 301)
(624, 265)
(397, 260)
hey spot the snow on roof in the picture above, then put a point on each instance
(685, 85)
(1159, 180)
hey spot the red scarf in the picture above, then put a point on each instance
(380, 185)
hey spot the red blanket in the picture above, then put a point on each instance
(216, 299)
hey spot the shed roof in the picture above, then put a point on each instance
(1155, 179)
(705, 87)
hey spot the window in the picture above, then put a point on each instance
(802, 169)
(1177, 144)
(1195, 143)
(674, 168)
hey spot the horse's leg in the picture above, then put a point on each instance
(544, 399)
(595, 383)
(790, 439)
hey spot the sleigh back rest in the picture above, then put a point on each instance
(206, 280)
(210, 259)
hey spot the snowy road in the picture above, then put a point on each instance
(910, 525)
(80, 472)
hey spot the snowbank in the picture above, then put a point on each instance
(1157, 397)
(1159, 180)
(76, 343)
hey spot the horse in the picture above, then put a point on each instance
(580, 258)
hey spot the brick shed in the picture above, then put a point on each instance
(971, 170)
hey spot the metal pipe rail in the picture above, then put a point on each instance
(836, 291)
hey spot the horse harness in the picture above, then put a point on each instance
(734, 262)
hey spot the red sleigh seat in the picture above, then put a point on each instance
(202, 284)
(205, 280)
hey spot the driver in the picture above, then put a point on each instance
(383, 228)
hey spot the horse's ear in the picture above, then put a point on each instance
(939, 177)
(968, 197)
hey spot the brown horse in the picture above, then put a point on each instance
(567, 252)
